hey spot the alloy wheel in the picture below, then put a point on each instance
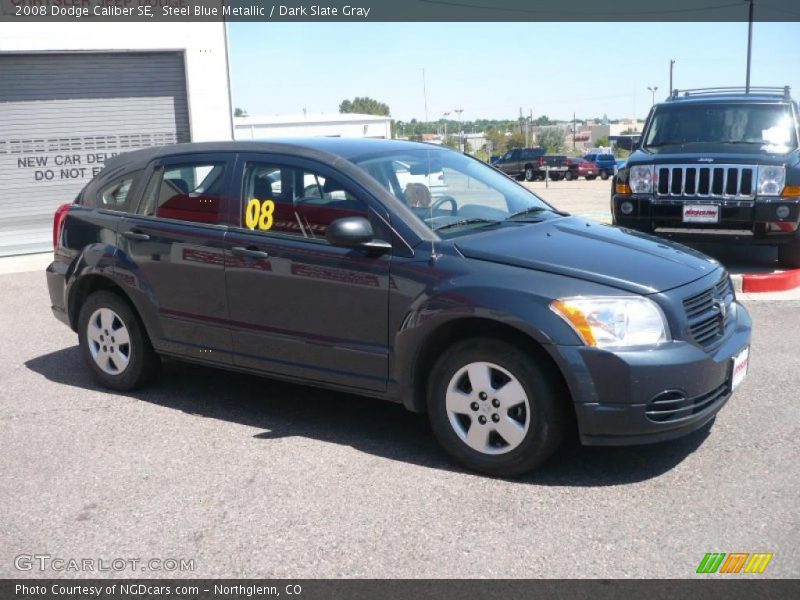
(488, 408)
(109, 341)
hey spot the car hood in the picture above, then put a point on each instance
(721, 155)
(592, 251)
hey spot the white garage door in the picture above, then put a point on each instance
(62, 115)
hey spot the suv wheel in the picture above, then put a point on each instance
(569, 176)
(789, 255)
(529, 174)
(494, 409)
(603, 174)
(114, 343)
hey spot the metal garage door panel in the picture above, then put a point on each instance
(62, 115)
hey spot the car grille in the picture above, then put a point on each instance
(717, 181)
(708, 312)
(673, 406)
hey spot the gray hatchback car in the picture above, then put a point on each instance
(330, 262)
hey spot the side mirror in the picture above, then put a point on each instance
(349, 232)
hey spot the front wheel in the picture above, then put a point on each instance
(569, 176)
(603, 174)
(530, 175)
(494, 408)
(114, 343)
(789, 255)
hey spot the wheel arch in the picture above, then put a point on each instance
(86, 285)
(459, 329)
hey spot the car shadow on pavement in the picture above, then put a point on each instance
(380, 428)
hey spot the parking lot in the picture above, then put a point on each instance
(251, 477)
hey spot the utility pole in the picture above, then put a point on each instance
(671, 64)
(574, 130)
(749, 44)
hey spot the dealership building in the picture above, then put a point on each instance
(73, 96)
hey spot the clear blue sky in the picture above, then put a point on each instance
(492, 69)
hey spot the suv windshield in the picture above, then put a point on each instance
(769, 126)
(467, 194)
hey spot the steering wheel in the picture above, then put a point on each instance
(443, 200)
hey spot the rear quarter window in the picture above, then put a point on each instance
(117, 194)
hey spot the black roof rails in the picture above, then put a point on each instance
(753, 89)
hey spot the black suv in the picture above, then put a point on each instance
(717, 164)
(308, 260)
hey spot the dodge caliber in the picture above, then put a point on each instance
(329, 262)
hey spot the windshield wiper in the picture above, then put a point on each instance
(465, 222)
(535, 209)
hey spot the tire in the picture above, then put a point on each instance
(603, 174)
(115, 364)
(569, 176)
(789, 255)
(529, 174)
(536, 426)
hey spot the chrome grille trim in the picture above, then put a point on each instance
(716, 176)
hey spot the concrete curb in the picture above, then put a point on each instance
(780, 281)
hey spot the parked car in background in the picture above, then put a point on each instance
(509, 322)
(520, 162)
(717, 165)
(580, 167)
(606, 163)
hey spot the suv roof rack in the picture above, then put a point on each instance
(778, 91)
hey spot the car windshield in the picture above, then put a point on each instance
(449, 191)
(769, 126)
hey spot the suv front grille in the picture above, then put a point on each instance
(734, 182)
(708, 312)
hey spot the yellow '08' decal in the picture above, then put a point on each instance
(258, 214)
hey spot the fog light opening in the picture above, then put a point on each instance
(626, 208)
(782, 212)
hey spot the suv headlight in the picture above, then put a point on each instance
(640, 178)
(614, 321)
(771, 180)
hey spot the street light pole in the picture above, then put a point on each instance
(447, 114)
(671, 64)
(458, 111)
(653, 91)
(749, 44)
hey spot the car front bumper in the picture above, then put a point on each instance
(614, 392)
(754, 221)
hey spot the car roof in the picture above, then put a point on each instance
(321, 147)
(726, 98)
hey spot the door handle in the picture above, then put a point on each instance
(133, 234)
(252, 252)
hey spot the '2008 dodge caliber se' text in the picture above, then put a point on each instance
(329, 262)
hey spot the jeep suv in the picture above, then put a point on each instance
(718, 164)
(505, 320)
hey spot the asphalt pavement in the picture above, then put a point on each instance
(245, 476)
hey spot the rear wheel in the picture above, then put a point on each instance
(114, 344)
(530, 175)
(789, 255)
(569, 176)
(494, 408)
(603, 174)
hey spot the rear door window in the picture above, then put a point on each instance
(192, 191)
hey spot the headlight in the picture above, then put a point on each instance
(641, 179)
(614, 321)
(771, 180)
